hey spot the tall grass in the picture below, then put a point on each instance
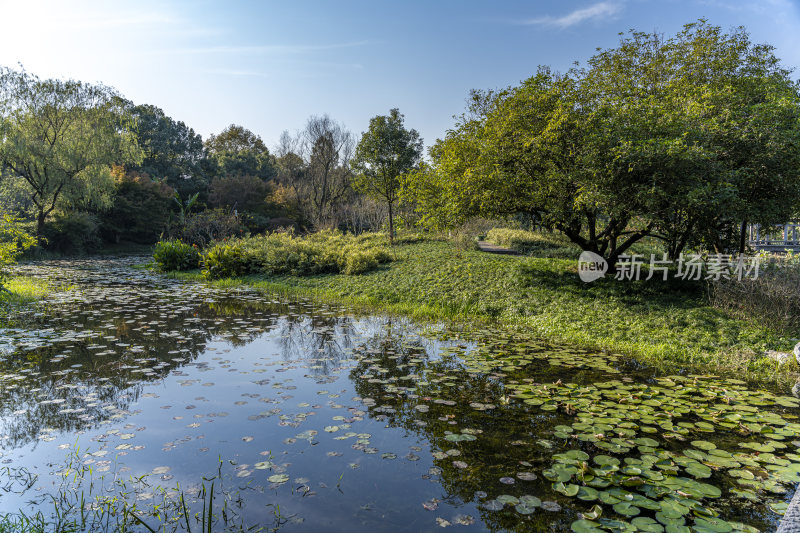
(772, 299)
(84, 502)
(330, 252)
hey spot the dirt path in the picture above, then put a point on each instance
(495, 249)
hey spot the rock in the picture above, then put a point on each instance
(780, 357)
(797, 352)
(796, 390)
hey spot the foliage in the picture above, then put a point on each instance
(13, 241)
(325, 252)
(386, 151)
(15, 195)
(225, 260)
(247, 195)
(677, 138)
(72, 233)
(174, 255)
(173, 152)
(62, 137)
(464, 241)
(141, 208)
(238, 151)
(20, 290)
(211, 225)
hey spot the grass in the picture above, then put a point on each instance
(665, 324)
(115, 504)
(22, 290)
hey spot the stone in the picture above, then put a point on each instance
(780, 357)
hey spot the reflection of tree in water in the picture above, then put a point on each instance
(325, 340)
(390, 366)
(107, 340)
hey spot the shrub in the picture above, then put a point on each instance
(176, 255)
(72, 233)
(464, 241)
(360, 261)
(211, 225)
(13, 241)
(225, 260)
(326, 252)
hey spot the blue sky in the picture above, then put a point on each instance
(269, 65)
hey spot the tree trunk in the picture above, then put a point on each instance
(40, 222)
(391, 225)
(742, 237)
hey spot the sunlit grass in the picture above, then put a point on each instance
(24, 289)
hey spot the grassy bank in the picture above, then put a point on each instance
(21, 293)
(668, 324)
(22, 290)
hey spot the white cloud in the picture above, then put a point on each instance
(598, 11)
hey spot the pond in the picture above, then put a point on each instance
(138, 392)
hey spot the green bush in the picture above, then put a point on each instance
(326, 252)
(176, 255)
(13, 241)
(225, 260)
(72, 233)
(358, 262)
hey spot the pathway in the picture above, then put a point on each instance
(495, 249)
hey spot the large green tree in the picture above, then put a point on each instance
(386, 151)
(676, 138)
(238, 151)
(62, 136)
(173, 152)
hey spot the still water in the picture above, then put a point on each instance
(131, 387)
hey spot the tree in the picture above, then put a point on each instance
(238, 151)
(386, 151)
(675, 138)
(326, 148)
(172, 151)
(62, 137)
(141, 210)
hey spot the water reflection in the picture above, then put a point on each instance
(347, 422)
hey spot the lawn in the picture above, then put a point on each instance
(668, 324)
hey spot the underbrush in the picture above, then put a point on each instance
(175, 255)
(772, 299)
(325, 252)
(23, 289)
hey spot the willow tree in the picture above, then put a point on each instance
(386, 151)
(62, 136)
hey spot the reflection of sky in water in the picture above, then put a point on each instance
(144, 374)
(139, 377)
